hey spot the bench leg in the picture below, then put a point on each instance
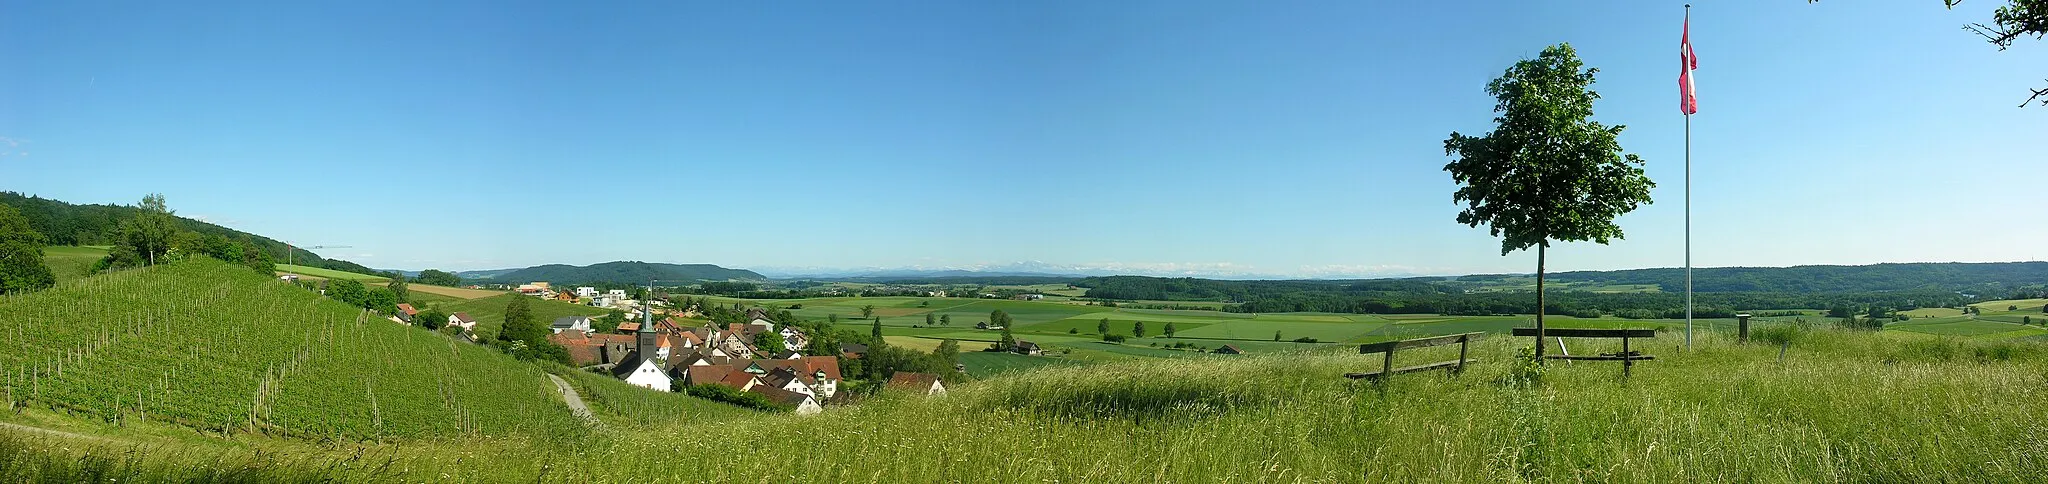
(1462, 340)
(1627, 361)
(1387, 367)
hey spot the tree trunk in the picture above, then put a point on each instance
(1539, 301)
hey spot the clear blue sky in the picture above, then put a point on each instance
(1214, 137)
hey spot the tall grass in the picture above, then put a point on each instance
(1842, 406)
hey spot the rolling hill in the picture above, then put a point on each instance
(218, 348)
(626, 272)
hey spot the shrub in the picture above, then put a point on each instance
(1305, 340)
(1113, 338)
(735, 397)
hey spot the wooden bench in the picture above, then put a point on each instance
(1387, 368)
(1627, 357)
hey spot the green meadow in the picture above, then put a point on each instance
(1834, 406)
(320, 273)
(70, 263)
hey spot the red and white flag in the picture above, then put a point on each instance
(1688, 100)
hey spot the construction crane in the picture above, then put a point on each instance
(290, 251)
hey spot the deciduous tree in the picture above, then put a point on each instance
(21, 255)
(1547, 172)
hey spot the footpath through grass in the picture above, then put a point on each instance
(1841, 406)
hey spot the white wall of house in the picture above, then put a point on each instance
(809, 407)
(649, 375)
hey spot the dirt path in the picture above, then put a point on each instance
(575, 401)
(59, 433)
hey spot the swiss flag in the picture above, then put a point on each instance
(1688, 99)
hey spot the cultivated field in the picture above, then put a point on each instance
(454, 292)
(1838, 406)
(319, 273)
(219, 348)
(71, 263)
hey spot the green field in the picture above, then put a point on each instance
(318, 273)
(71, 263)
(1837, 406)
(490, 311)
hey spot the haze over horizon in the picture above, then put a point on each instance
(1208, 138)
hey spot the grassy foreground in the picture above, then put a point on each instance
(1842, 406)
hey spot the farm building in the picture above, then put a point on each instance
(1028, 348)
(1229, 350)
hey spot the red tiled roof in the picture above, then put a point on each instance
(629, 326)
(913, 380)
(780, 396)
(464, 317)
(407, 308)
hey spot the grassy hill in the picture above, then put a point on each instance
(1839, 406)
(219, 348)
(490, 311)
(627, 272)
(319, 273)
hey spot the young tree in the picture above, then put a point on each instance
(1137, 329)
(1276, 335)
(832, 318)
(867, 311)
(150, 233)
(946, 320)
(431, 319)
(1169, 329)
(1102, 327)
(999, 318)
(875, 330)
(1547, 172)
(397, 287)
(929, 319)
(520, 324)
(770, 342)
(1007, 342)
(21, 255)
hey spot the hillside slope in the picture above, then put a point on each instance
(220, 348)
(626, 272)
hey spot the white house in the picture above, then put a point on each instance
(643, 372)
(586, 291)
(464, 321)
(616, 294)
(565, 323)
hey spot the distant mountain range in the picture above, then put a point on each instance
(614, 272)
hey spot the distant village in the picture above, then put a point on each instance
(671, 355)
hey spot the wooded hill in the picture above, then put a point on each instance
(63, 223)
(624, 272)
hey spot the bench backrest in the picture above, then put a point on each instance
(1386, 346)
(1589, 333)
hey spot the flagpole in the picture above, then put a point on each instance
(1688, 211)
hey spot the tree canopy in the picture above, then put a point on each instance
(1547, 172)
(21, 255)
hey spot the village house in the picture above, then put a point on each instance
(462, 320)
(586, 291)
(406, 312)
(565, 323)
(1229, 350)
(640, 367)
(802, 403)
(922, 383)
(1027, 348)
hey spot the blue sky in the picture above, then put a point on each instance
(1203, 137)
